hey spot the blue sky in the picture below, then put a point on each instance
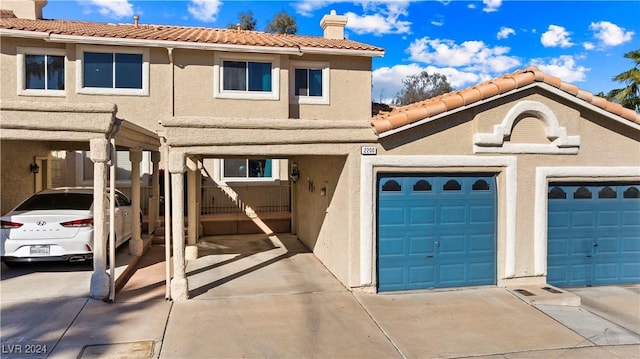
(582, 42)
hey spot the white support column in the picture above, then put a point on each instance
(100, 278)
(191, 252)
(154, 200)
(135, 244)
(179, 284)
(199, 200)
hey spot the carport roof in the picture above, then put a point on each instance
(79, 122)
(405, 115)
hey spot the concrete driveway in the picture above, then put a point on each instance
(259, 296)
(270, 297)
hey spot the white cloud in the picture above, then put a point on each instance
(380, 18)
(471, 6)
(387, 81)
(556, 36)
(471, 55)
(588, 45)
(113, 8)
(610, 34)
(438, 20)
(204, 10)
(308, 7)
(563, 67)
(505, 32)
(491, 5)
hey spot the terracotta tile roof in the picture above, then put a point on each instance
(200, 35)
(401, 116)
(6, 14)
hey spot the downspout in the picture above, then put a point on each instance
(112, 209)
(170, 54)
(167, 190)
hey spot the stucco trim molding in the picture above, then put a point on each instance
(546, 174)
(368, 201)
(494, 142)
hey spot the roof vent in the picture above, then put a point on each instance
(333, 25)
(136, 18)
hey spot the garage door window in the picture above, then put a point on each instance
(632, 192)
(422, 186)
(582, 193)
(391, 186)
(557, 193)
(452, 185)
(607, 192)
(480, 185)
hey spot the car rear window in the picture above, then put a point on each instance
(74, 201)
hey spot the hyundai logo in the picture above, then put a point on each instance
(41, 223)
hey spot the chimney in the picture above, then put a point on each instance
(25, 9)
(333, 25)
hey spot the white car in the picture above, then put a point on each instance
(57, 225)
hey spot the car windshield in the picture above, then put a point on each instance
(73, 201)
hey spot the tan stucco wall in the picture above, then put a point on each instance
(17, 181)
(350, 97)
(144, 111)
(604, 143)
(194, 87)
(323, 221)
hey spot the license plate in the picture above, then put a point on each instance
(39, 250)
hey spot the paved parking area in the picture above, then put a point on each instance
(271, 297)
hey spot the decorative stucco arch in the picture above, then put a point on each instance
(494, 142)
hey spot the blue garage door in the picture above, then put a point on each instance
(593, 234)
(436, 231)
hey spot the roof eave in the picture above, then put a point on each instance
(589, 105)
(118, 41)
(25, 34)
(342, 52)
(543, 85)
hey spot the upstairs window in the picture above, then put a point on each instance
(112, 70)
(246, 76)
(118, 71)
(310, 83)
(253, 77)
(41, 72)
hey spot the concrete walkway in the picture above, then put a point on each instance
(256, 297)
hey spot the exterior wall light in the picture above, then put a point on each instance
(295, 173)
(34, 168)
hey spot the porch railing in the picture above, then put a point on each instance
(261, 198)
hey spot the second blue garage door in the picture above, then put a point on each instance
(436, 231)
(593, 234)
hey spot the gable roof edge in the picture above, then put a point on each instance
(589, 105)
(402, 118)
(447, 113)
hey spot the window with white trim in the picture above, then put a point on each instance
(249, 77)
(112, 71)
(40, 71)
(247, 170)
(123, 166)
(309, 82)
